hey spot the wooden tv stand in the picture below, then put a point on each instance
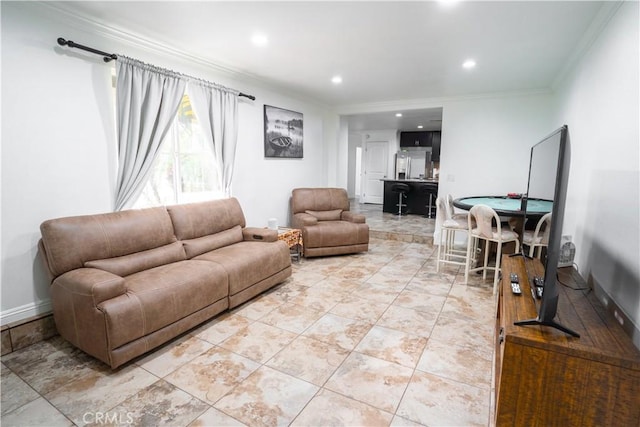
(544, 377)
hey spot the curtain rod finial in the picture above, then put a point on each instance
(61, 41)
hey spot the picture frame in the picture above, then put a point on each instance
(283, 133)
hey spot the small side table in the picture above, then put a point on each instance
(293, 238)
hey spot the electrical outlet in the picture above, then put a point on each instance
(618, 317)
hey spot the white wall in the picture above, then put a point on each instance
(58, 140)
(600, 103)
(486, 144)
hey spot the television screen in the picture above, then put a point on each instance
(548, 177)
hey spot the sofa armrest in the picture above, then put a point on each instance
(353, 217)
(259, 234)
(99, 285)
(303, 219)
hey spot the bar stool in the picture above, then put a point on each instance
(429, 190)
(447, 252)
(402, 190)
(484, 217)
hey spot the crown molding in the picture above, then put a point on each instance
(435, 102)
(604, 15)
(64, 13)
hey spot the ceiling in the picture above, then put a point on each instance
(384, 51)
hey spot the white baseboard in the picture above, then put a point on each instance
(25, 312)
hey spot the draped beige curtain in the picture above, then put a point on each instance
(147, 99)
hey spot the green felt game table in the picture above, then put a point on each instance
(506, 206)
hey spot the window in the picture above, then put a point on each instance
(185, 170)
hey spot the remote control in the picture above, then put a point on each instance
(514, 278)
(515, 288)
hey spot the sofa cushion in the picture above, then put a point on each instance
(247, 263)
(194, 220)
(200, 245)
(332, 215)
(133, 263)
(72, 241)
(160, 296)
(335, 233)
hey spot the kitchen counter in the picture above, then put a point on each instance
(420, 200)
(428, 181)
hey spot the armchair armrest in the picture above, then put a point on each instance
(353, 217)
(259, 234)
(303, 219)
(99, 285)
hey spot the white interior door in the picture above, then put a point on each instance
(376, 161)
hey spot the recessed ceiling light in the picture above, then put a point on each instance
(259, 40)
(398, 114)
(420, 126)
(468, 64)
(336, 80)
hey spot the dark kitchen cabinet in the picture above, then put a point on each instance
(415, 139)
(435, 144)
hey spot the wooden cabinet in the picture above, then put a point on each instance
(415, 139)
(435, 144)
(544, 377)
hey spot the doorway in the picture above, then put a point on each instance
(374, 169)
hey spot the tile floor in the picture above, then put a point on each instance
(373, 339)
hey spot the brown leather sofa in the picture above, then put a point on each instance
(328, 226)
(125, 282)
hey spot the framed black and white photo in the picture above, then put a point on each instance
(282, 133)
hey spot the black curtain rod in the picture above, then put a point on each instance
(108, 57)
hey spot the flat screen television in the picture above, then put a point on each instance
(548, 177)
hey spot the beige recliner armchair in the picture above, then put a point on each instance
(328, 226)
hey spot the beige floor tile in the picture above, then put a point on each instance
(258, 341)
(214, 417)
(15, 392)
(332, 409)
(171, 356)
(99, 391)
(376, 293)
(222, 327)
(338, 330)
(420, 301)
(341, 287)
(309, 359)
(48, 365)
(408, 320)
(465, 302)
(430, 284)
(160, 404)
(258, 307)
(318, 299)
(463, 363)
(36, 413)
(355, 273)
(403, 422)
(357, 308)
(292, 317)
(371, 380)
(433, 400)
(392, 346)
(267, 398)
(457, 331)
(213, 374)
